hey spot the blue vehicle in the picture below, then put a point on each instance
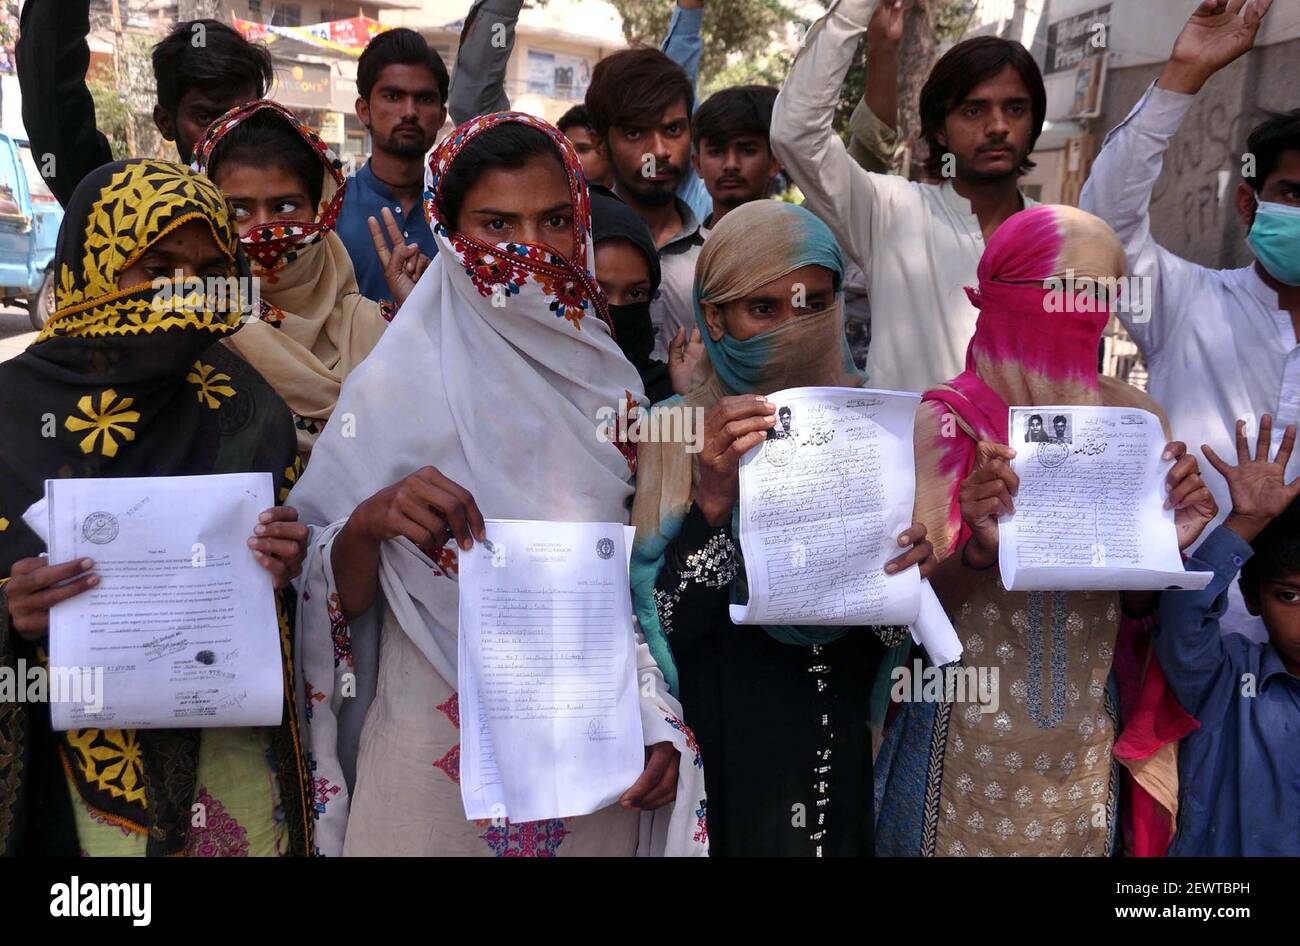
(29, 227)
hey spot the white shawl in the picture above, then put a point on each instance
(506, 401)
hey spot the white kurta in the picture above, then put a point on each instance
(919, 244)
(1216, 343)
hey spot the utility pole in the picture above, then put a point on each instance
(123, 81)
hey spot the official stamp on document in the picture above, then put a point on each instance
(1053, 453)
(99, 527)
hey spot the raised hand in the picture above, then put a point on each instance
(403, 262)
(1258, 485)
(1218, 32)
(683, 354)
(885, 28)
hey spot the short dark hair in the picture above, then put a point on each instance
(265, 139)
(633, 87)
(1277, 551)
(509, 145)
(224, 62)
(962, 68)
(1061, 417)
(1277, 133)
(731, 113)
(399, 47)
(574, 116)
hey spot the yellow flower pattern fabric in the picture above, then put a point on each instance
(122, 384)
(111, 760)
(140, 203)
(212, 386)
(112, 419)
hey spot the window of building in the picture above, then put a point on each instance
(286, 14)
(255, 10)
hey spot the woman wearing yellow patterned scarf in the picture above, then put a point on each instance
(129, 378)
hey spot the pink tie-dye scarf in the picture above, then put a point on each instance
(1023, 352)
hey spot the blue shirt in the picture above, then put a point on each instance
(682, 45)
(1239, 774)
(365, 197)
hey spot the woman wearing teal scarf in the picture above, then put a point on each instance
(780, 713)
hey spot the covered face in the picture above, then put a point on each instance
(767, 301)
(285, 183)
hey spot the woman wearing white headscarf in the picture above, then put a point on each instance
(483, 400)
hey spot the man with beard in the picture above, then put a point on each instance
(202, 68)
(401, 99)
(640, 103)
(982, 110)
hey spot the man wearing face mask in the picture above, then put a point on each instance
(1219, 343)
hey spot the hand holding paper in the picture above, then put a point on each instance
(823, 501)
(1090, 511)
(182, 624)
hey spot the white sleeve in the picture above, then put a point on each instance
(1118, 190)
(850, 200)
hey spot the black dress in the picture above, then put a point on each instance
(782, 728)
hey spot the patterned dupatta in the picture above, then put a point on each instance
(274, 244)
(314, 325)
(126, 382)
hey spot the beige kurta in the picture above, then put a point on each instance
(407, 800)
(1034, 775)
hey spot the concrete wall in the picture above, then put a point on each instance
(1193, 212)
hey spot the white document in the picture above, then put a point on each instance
(934, 631)
(822, 503)
(182, 624)
(549, 707)
(1090, 511)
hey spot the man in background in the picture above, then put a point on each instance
(202, 68)
(401, 99)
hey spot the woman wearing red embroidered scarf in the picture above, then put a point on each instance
(485, 399)
(313, 326)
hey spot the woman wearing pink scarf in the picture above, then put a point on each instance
(1035, 776)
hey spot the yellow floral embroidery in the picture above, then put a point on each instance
(291, 474)
(112, 417)
(140, 203)
(111, 760)
(4, 523)
(68, 294)
(209, 383)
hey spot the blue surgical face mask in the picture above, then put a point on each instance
(1275, 240)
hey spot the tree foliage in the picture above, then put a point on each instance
(742, 43)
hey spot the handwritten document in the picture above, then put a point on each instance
(183, 623)
(550, 713)
(1090, 511)
(822, 503)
